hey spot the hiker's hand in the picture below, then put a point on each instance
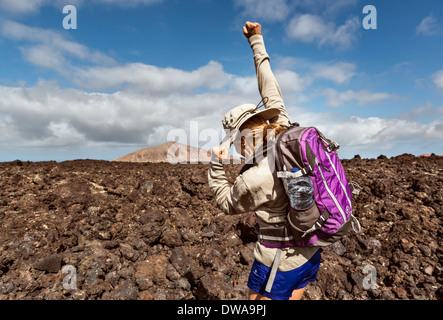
(251, 28)
(221, 152)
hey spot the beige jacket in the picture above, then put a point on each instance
(258, 188)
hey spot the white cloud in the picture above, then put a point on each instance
(147, 101)
(291, 81)
(62, 134)
(308, 70)
(308, 28)
(292, 86)
(279, 10)
(129, 3)
(323, 7)
(313, 28)
(50, 48)
(44, 56)
(374, 135)
(265, 10)
(363, 97)
(151, 79)
(340, 73)
(438, 79)
(46, 116)
(377, 131)
(150, 101)
(428, 27)
(21, 6)
(424, 110)
(31, 6)
(313, 21)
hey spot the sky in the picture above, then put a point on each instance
(111, 76)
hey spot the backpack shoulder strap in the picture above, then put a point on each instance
(330, 144)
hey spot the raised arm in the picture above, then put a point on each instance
(267, 84)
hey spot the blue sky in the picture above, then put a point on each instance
(137, 73)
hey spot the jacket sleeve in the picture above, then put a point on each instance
(236, 198)
(267, 84)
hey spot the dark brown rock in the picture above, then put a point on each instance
(50, 263)
(153, 231)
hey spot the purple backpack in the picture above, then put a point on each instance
(304, 155)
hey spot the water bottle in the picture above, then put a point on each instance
(300, 191)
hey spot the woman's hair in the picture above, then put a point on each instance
(256, 128)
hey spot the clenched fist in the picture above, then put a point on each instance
(251, 28)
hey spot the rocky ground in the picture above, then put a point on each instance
(110, 230)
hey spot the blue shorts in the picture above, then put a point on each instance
(285, 281)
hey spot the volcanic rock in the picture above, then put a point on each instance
(153, 231)
(50, 263)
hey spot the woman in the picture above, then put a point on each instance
(277, 273)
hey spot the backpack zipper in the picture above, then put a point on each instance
(330, 192)
(339, 179)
